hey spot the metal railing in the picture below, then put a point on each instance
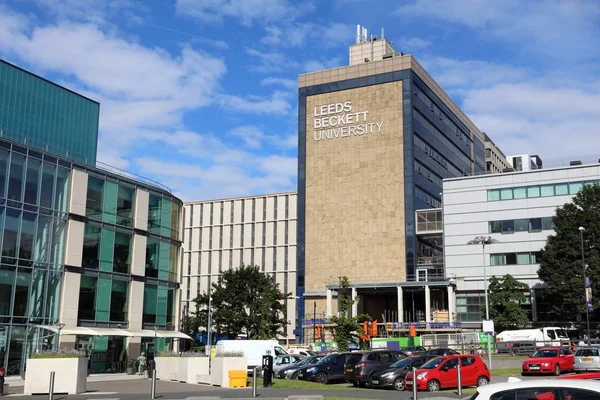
(430, 260)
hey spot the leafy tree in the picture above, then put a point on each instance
(560, 261)
(189, 326)
(244, 301)
(505, 296)
(346, 327)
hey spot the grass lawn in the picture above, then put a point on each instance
(505, 371)
(298, 384)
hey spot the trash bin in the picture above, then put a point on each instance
(130, 369)
(237, 378)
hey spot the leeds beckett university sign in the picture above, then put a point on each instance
(337, 120)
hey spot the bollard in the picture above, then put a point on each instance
(254, 382)
(51, 389)
(414, 383)
(153, 387)
(459, 379)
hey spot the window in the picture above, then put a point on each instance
(495, 226)
(93, 207)
(587, 353)
(574, 188)
(122, 253)
(511, 258)
(535, 257)
(87, 298)
(561, 189)
(47, 188)
(535, 225)
(32, 181)
(125, 206)
(149, 308)
(118, 301)
(580, 394)
(15, 177)
(533, 191)
(497, 259)
(466, 361)
(506, 194)
(152, 254)
(547, 223)
(521, 225)
(91, 247)
(506, 395)
(493, 195)
(547, 190)
(522, 258)
(508, 226)
(154, 214)
(372, 357)
(537, 393)
(520, 193)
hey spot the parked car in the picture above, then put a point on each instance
(359, 371)
(441, 373)
(413, 350)
(587, 359)
(590, 375)
(291, 371)
(329, 368)
(302, 352)
(284, 361)
(393, 377)
(549, 360)
(440, 352)
(540, 389)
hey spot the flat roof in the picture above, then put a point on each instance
(239, 197)
(47, 80)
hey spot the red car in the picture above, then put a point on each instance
(549, 360)
(590, 375)
(441, 373)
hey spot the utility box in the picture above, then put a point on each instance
(237, 378)
(267, 364)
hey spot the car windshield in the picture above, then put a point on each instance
(307, 360)
(402, 363)
(545, 353)
(587, 353)
(431, 364)
(562, 334)
(327, 359)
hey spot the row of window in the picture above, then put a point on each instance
(558, 189)
(442, 116)
(522, 225)
(442, 138)
(32, 181)
(419, 194)
(426, 172)
(211, 208)
(210, 243)
(163, 216)
(437, 156)
(524, 258)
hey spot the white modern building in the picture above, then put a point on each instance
(514, 208)
(226, 233)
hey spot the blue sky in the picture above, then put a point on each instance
(201, 94)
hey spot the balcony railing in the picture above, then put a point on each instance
(430, 260)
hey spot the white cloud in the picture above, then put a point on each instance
(247, 11)
(319, 35)
(554, 28)
(407, 44)
(278, 103)
(317, 65)
(270, 61)
(286, 83)
(95, 11)
(254, 137)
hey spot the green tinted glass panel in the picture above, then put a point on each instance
(47, 189)
(161, 306)
(107, 244)
(109, 208)
(46, 116)
(32, 181)
(574, 188)
(122, 254)
(15, 177)
(176, 209)
(154, 214)
(533, 191)
(37, 293)
(62, 189)
(173, 263)
(561, 189)
(3, 171)
(152, 256)
(493, 195)
(103, 299)
(118, 301)
(165, 218)
(95, 190)
(150, 299)
(522, 258)
(125, 206)
(506, 194)
(547, 190)
(520, 193)
(163, 261)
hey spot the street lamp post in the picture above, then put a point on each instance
(315, 323)
(483, 240)
(59, 327)
(209, 323)
(585, 288)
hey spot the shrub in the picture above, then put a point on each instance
(167, 353)
(60, 353)
(231, 354)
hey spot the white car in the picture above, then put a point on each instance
(540, 389)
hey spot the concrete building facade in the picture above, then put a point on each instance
(376, 139)
(514, 208)
(223, 234)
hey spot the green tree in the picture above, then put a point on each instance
(505, 297)
(244, 301)
(346, 327)
(560, 260)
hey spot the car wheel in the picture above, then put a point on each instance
(322, 377)
(398, 384)
(557, 370)
(482, 381)
(294, 375)
(361, 384)
(433, 386)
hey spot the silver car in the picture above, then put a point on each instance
(284, 361)
(587, 359)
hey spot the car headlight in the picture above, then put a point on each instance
(387, 375)
(547, 364)
(422, 375)
(310, 369)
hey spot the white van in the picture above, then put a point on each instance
(549, 336)
(253, 350)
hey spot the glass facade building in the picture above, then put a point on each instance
(83, 248)
(44, 115)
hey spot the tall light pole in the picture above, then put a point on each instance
(585, 288)
(209, 325)
(483, 240)
(59, 327)
(339, 292)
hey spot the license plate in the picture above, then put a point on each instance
(586, 360)
(408, 382)
(349, 370)
(375, 382)
(534, 368)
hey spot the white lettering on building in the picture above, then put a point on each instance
(337, 120)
